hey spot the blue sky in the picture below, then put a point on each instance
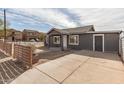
(44, 19)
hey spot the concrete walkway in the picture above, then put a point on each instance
(78, 67)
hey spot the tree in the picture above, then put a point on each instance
(1, 23)
(42, 36)
(2, 26)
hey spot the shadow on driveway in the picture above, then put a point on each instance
(48, 55)
(95, 54)
(10, 70)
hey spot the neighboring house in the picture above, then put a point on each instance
(30, 35)
(84, 38)
(14, 35)
(25, 35)
(17, 36)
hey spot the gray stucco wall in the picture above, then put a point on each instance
(111, 42)
(85, 42)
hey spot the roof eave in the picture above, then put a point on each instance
(52, 30)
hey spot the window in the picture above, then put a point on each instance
(30, 33)
(56, 39)
(74, 39)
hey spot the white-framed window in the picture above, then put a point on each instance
(73, 39)
(56, 39)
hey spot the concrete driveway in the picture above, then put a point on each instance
(78, 67)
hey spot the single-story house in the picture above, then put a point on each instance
(84, 38)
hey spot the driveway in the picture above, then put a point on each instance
(77, 67)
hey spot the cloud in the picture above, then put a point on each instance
(50, 16)
(103, 19)
(46, 18)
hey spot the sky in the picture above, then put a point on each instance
(43, 19)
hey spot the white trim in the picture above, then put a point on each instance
(64, 42)
(74, 42)
(58, 42)
(102, 41)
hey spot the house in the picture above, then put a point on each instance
(25, 35)
(83, 38)
(30, 35)
(17, 36)
(14, 35)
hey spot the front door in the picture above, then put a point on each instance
(98, 43)
(64, 42)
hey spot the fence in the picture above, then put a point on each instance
(1, 45)
(23, 54)
(20, 52)
(6, 47)
(121, 46)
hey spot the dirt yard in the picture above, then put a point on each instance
(48, 55)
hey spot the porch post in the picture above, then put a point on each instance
(48, 41)
(61, 40)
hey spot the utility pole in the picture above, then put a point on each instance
(4, 24)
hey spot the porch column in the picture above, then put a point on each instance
(48, 41)
(61, 40)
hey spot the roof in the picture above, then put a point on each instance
(76, 30)
(81, 30)
(28, 30)
(112, 31)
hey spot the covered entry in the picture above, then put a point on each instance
(98, 42)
